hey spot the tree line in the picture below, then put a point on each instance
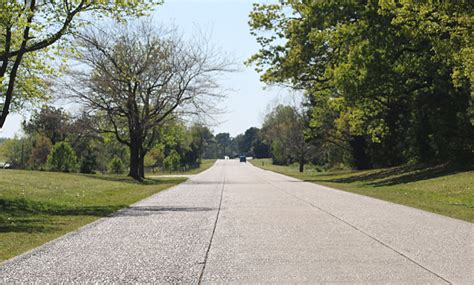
(385, 82)
(54, 139)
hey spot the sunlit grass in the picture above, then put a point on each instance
(36, 207)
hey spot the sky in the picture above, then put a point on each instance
(225, 23)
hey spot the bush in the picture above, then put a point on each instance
(41, 148)
(116, 166)
(62, 158)
(172, 161)
(88, 162)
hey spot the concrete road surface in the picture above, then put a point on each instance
(237, 223)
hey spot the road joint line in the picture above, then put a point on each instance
(206, 256)
(356, 228)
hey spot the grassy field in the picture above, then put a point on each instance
(205, 164)
(36, 207)
(438, 189)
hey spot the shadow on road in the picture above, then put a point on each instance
(155, 210)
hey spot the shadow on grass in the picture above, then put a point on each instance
(126, 179)
(13, 207)
(396, 175)
(20, 215)
(26, 224)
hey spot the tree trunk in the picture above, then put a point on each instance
(141, 164)
(135, 159)
(301, 162)
(359, 153)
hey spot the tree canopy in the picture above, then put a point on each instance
(388, 82)
(31, 34)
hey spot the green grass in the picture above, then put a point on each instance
(205, 164)
(36, 207)
(439, 189)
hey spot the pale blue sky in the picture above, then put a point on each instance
(226, 23)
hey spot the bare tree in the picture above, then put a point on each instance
(139, 77)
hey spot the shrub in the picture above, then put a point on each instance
(39, 153)
(88, 162)
(62, 158)
(116, 166)
(172, 161)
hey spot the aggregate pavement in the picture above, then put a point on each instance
(236, 223)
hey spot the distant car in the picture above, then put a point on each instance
(243, 158)
(7, 165)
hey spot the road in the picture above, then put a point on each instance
(237, 223)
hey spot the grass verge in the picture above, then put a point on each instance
(205, 164)
(36, 207)
(439, 189)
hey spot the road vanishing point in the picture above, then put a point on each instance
(236, 223)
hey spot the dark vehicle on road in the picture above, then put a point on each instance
(243, 158)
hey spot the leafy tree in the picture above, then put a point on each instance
(251, 143)
(29, 30)
(245, 145)
(62, 158)
(176, 137)
(223, 141)
(53, 123)
(88, 161)
(154, 157)
(203, 142)
(259, 147)
(116, 166)
(16, 151)
(91, 148)
(388, 83)
(284, 129)
(172, 161)
(40, 150)
(237, 145)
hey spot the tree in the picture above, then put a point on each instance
(203, 141)
(259, 147)
(28, 31)
(53, 123)
(172, 161)
(17, 151)
(223, 141)
(116, 166)
(40, 151)
(250, 135)
(387, 83)
(284, 129)
(62, 158)
(140, 78)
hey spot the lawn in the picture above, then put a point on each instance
(439, 189)
(36, 207)
(205, 164)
